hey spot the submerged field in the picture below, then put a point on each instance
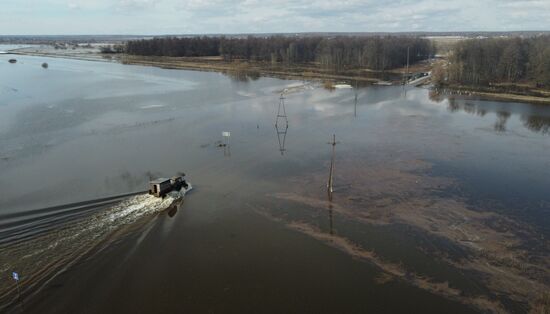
(440, 203)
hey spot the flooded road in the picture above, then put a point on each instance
(440, 204)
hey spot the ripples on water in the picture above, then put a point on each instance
(428, 188)
(46, 247)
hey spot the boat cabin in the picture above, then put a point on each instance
(161, 186)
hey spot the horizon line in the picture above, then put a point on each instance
(285, 33)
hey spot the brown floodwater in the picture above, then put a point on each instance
(439, 205)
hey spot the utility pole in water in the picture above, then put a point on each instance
(355, 108)
(331, 174)
(406, 74)
(407, 64)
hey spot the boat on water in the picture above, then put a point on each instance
(12, 60)
(163, 186)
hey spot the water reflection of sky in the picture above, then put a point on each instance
(51, 116)
(81, 130)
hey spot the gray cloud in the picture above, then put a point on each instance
(244, 16)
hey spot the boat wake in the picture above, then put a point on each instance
(40, 248)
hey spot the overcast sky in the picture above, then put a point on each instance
(266, 16)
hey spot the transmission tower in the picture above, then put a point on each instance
(281, 112)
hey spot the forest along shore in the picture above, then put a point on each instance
(512, 69)
(244, 69)
(237, 68)
(341, 57)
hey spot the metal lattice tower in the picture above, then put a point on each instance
(281, 112)
(281, 124)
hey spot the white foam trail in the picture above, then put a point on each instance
(43, 257)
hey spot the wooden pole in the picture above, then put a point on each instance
(408, 63)
(355, 107)
(331, 176)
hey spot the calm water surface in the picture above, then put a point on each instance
(256, 234)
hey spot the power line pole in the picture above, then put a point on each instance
(281, 111)
(281, 130)
(408, 63)
(331, 174)
(355, 107)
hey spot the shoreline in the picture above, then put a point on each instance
(251, 69)
(245, 70)
(454, 90)
(208, 64)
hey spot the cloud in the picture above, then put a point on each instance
(73, 5)
(133, 5)
(247, 16)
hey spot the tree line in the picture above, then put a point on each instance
(498, 60)
(339, 52)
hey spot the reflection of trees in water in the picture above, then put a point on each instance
(455, 106)
(436, 96)
(502, 118)
(474, 109)
(537, 123)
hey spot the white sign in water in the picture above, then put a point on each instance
(226, 134)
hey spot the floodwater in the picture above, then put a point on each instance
(440, 204)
